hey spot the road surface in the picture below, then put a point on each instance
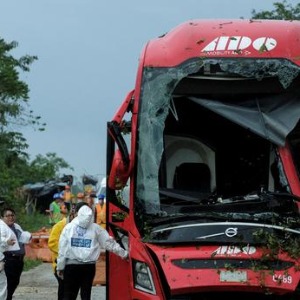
(40, 284)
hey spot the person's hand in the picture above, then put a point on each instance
(60, 274)
(126, 256)
(2, 264)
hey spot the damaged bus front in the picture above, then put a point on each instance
(203, 161)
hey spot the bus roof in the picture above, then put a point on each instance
(224, 38)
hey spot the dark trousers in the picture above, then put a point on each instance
(60, 290)
(78, 277)
(13, 270)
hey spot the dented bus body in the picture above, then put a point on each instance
(203, 164)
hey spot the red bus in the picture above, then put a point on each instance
(203, 165)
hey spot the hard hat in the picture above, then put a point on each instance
(57, 196)
(101, 196)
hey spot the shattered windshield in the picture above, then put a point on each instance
(208, 135)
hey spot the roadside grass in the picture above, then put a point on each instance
(33, 222)
(31, 263)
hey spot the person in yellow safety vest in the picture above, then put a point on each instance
(101, 211)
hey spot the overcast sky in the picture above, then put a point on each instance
(88, 53)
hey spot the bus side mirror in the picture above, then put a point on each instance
(119, 172)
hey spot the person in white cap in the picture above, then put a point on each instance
(80, 245)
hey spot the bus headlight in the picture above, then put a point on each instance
(142, 277)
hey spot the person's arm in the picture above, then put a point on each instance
(51, 209)
(2, 263)
(53, 240)
(110, 244)
(3, 246)
(62, 249)
(25, 236)
(7, 237)
(2, 249)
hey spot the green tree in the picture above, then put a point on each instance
(15, 113)
(283, 11)
(14, 93)
(43, 168)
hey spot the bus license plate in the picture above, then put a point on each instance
(233, 276)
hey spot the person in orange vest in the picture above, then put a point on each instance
(101, 211)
